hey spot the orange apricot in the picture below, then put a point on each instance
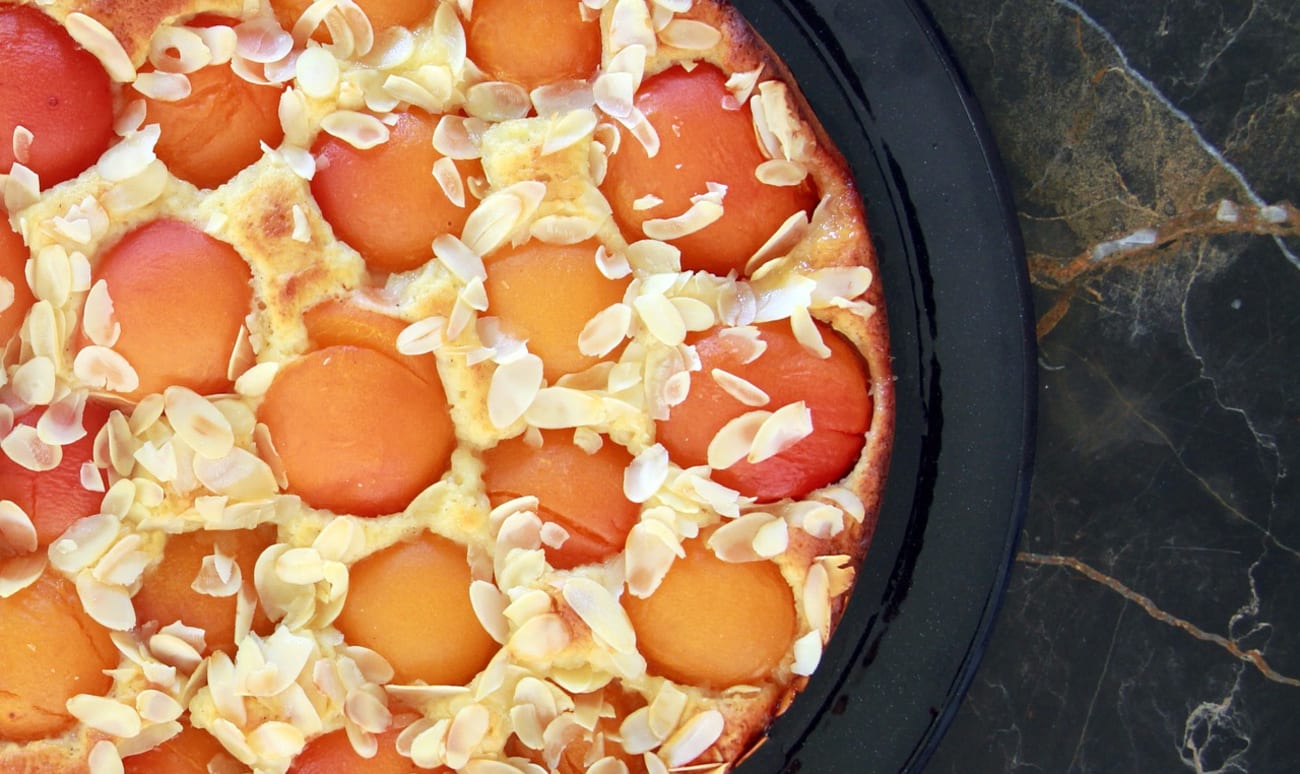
(701, 142)
(189, 752)
(166, 595)
(333, 753)
(13, 263)
(521, 287)
(55, 89)
(382, 14)
(713, 623)
(393, 232)
(335, 323)
(401, 598)
(218, 129)
(55, 498)
(532, 42)
(51, 651)
(835, 390)
(357, 432)
(581, 492)
(180, 297)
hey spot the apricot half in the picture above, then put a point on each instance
(700, 142)
(581, 492)
(533, 42)
(166, 595)
(410, 603)
(334, 323)
(180, 297)
(715, 624)
(54, 89)
(382, 14)
(357, 432)
(189, 752)
(333, 753)
(393, 232)
(835, 390)
(51, 651)
(55, 498)
(218, 129)
(521, 288)
(13, 263)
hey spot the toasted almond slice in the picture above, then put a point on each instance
(514, 387)
(34, 382)
(24, 446)
(108, 604)
(690, 35)
(98, 319)
(702, 213)
(605, 331)
(735, 441)
(162, 86)
(17, 535)
(646, 474)
(652, 546)
(600, 610)
(784, 428)
(693, 738)
(318, 73)
(630, 25)
(198, 422)
(96, 38)
(807, 654)
(360, 130)
(781, 173)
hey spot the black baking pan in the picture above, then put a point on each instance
(961, 325)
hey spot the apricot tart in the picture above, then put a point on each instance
(459, 385)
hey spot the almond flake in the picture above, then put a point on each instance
(28, 451)
(601, 612)
(553, 99)
(807, 333)
(422, 336)
(17, 535)
(567, 130)
(840, 282)
(693, 738)
(690, 35)
(780, 173)
(457, 137)
(652, 546)
(497, 101)
(191, 53)
(318, 73)
(34, 382)
(22, 144)
(515, 385)
(450, 181)
(262, 40)
(104, 758)
(130, 157)
(104, 714)
(239, 474)
(742, 390)
(162, 86)
(787, 236)
(467, 731)
(360, 130)
(736, 439)
(109, 605)
(807, 654)
(605, 331)
(98, 319)
(612, 265)
(460, 260)
(198, 422)
(703, 212)
(786, 427)
(630, 25)
(661, 319)
(646, 474)
(96, 38)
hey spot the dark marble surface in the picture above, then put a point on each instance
(1152, 623)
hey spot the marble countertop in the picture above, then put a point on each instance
(1152, 622)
